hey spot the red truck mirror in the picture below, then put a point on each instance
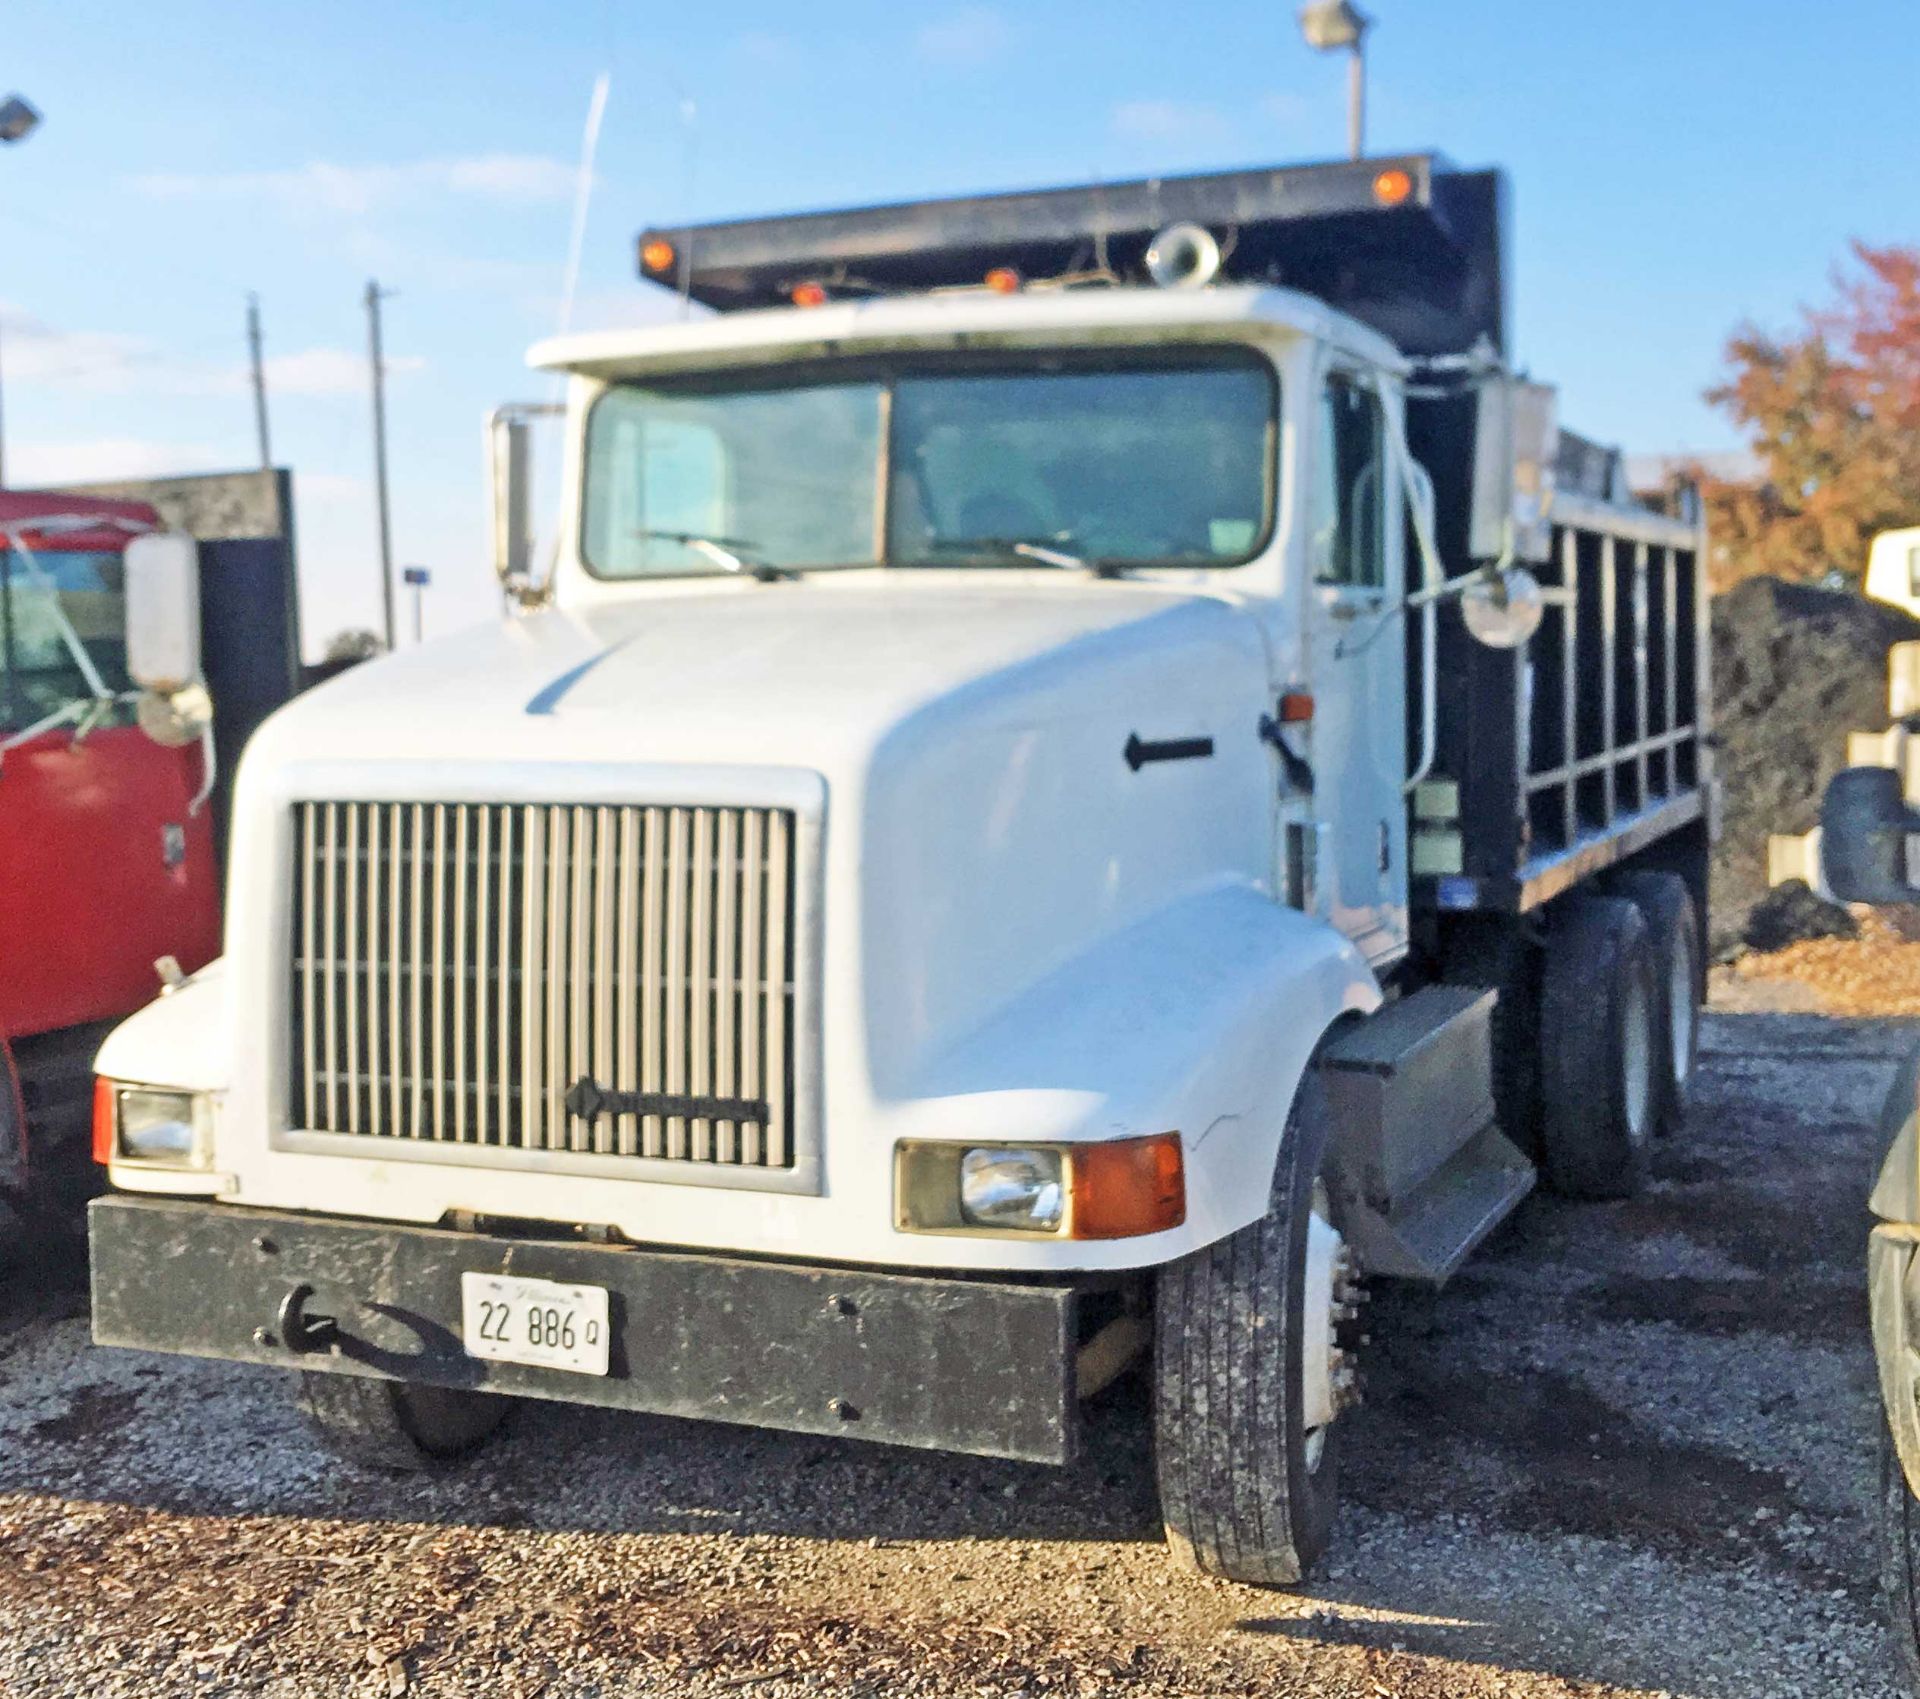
(163, 611)
(1865, 829)
(163, 636)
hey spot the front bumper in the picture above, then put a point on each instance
(953, 1364)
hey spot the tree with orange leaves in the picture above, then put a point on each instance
(1833, 415)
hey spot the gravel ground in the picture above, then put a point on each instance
(1629, 1451)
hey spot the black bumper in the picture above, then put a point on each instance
(948, 1363)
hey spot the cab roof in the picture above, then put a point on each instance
(976, 319)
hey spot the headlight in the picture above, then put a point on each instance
(170, 1129)
(1115, 1189)
(1020, 1189)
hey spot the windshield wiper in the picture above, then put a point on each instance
(730, 554)
(1048, 551)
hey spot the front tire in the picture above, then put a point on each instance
(394, 1426)
(1245, 1401)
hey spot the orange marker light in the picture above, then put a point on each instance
(807, 295)
(1296, 707)
(103, 1107)
(658, 255)
(1392, 186)
(1003, 280)
(1126, 1188)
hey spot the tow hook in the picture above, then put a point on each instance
(299, 1332)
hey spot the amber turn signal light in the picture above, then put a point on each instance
(1003, 280)
(658, 255)
(807, 295)
(1392, 186)
(103, 1128)
(1127, 1187)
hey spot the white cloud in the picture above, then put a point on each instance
(971, 36)
(323, 371)
(323, 186)
(109, 362)
(36, 351)
(1169, 121)
(92, 460)
(768, 47)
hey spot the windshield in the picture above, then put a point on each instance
(1114, 464)
(38, 672)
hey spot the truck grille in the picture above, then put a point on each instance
(610, 981)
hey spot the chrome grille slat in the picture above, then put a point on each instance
(462, 970)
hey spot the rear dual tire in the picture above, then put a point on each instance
(1673, 929)
(1600, 1058)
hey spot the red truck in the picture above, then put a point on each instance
(107, 855)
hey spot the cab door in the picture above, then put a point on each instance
(1356, 656)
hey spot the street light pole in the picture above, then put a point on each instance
(1357, 99)
(1330, 26)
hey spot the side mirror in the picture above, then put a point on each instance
(1503, 610)
(1865, 828)
(163, 611)
(510, 493)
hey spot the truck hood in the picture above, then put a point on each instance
(813, 673)
(964, 759)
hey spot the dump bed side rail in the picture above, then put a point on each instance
(1589, 743)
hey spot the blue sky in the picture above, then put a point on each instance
(1677, 167)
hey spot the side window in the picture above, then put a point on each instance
(1348, 541)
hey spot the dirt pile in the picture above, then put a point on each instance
(1794, 670)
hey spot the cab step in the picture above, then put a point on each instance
(1429, 1235)
(1422, 1171)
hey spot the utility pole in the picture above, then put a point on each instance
(259, 382)
(373, 298)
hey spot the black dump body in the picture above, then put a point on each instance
(1426, 271)
(1586, 746)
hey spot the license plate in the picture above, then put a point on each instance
(507, 1318)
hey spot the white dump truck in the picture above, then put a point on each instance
(1091, 770)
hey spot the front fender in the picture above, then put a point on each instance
(181, 1039)
(1200, 1018)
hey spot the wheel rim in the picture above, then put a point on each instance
(1683, 1012)
(1327, 1300)
(1636, 1020)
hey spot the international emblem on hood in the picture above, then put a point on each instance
(589, 1099)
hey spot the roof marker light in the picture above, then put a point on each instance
(658, 255)
(1392, 186)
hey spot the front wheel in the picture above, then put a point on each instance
(391, 1425)
(1250, 1378)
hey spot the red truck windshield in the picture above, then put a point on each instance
(39, 672)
